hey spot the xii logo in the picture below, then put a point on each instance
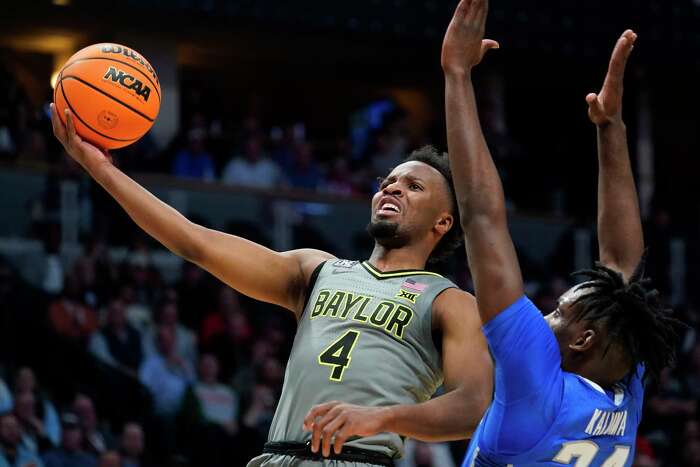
(410, 296)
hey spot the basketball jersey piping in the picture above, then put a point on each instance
(398, 273)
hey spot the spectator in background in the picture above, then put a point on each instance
(185, 340)
(69, 316)
(13, 452)
(118, 344)
(34, 435)
(213, 411)
(70, 453)
(231, 345)
(217, 402)
(253, 169)
(25, 382)
(338, 180)
(194, 161)
(96, 440)
(215, 322)
(166, 375)
(133, 445)
(304, 172)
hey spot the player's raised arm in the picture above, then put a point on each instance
(492, 258)
(619, 223)
(252, 269)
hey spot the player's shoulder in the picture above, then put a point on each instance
(456, 306)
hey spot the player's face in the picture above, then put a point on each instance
(409, 203)
(563, 322)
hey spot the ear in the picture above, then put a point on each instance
(444, 223)
(584, 341)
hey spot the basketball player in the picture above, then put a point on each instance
(568, 387)
(364, 327)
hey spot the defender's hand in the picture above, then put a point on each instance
(81, 151)
(606, 107)
(464, 45)
(334, 422)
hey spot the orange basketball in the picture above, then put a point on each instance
(112, 92)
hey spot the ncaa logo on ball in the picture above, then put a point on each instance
(127, 81)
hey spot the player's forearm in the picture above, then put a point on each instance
(159, 220)
(477, 183)
(619, 222)
(452, 416)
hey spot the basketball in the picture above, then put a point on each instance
(113, 93)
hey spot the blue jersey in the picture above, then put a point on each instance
(544, 416)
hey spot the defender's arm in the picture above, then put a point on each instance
(490, 251)
(620, 237)
(252, 269)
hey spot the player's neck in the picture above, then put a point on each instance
(394, 259)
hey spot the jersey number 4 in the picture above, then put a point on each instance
(585, 451)
(337, 355)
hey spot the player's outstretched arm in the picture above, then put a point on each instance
(252, 269)
(620, 236)
(490, 251)
(468, 383)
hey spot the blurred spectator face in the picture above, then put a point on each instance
(168, 314)
(304, 155)
(238, 327)
(9, 430)
(423, 455)
(208, 369)
(253, 149)
(196, 138)
(191, 274)
(272, 372)
(132, 440)
(116, 314)
(26, 381)
(166, 341)
(110, 459)
(24, 406)
(691, 431)
(85, 410)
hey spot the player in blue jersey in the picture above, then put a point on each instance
(568, 387)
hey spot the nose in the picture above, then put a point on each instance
(393, 189)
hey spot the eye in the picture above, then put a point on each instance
(416, 187)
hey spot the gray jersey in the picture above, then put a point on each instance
(365, 337)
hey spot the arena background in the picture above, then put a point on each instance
(317, 99)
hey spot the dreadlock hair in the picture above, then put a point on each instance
(440, 162)
(633, 316)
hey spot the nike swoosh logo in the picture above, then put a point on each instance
(340, 271)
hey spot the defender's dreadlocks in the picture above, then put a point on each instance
(453, 238)
(633, 316)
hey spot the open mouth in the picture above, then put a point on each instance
(387, 208)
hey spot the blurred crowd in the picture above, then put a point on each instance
(108, 364)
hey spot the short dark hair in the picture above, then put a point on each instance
(633, 315)
(440, 162)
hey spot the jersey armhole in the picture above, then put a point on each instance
(310, 286)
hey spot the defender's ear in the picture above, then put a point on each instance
(444, 223)
(584, 341)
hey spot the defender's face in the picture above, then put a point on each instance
(412, 196)
(563, 322)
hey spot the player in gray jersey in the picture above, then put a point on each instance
(364, 364)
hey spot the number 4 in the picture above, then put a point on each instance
(585, 451)
(337, 355)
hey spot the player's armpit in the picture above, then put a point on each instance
(257, 271)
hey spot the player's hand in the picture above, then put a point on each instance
(334, 422)
(464, 45)
(606, 107)
(81, 151)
